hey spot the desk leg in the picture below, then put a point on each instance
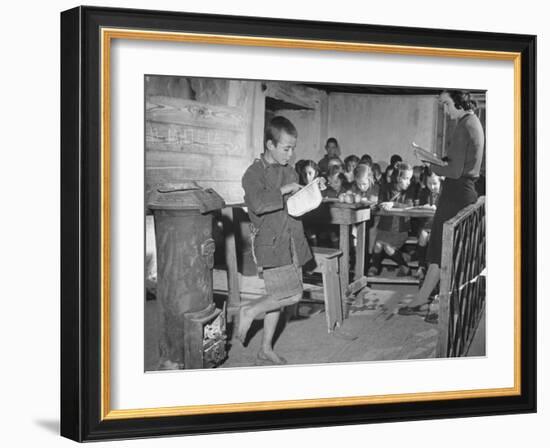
(233, 293)
(344, 267)
(360, 251)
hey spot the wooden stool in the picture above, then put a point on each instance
(328, 264)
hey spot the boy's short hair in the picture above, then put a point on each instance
(363, 170)
(366, 159)
(428, 172)
(276, 126)
(334, 161)
(333, 171)
(331, 140)
(401, 168)
(396, 158)
(350, 159)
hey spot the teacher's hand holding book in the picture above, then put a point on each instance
(427, 156)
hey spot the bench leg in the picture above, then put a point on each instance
(344, 265)
(360, 251)
(333, 294)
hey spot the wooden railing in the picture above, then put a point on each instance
(462, 286)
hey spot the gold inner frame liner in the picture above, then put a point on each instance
(107, 35)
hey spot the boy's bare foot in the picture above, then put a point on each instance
(245, 320)
(269, 357)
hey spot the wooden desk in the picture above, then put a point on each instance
(346, 215)
(414, 212)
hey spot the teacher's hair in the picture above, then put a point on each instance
(462, 99)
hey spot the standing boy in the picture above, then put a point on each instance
(279, 244)
(333, 152)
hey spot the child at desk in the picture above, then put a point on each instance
(366, 187)
(377, 173)
(364, 184)
(417, 183)
(336, 181)
(393, 231)
(428, 198)
(350, 162)
(308, 171)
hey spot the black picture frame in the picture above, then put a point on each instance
(81, 224)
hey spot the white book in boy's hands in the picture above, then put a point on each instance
(305, 199)
(427, 156)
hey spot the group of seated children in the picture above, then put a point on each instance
(400, 186)
(418, 186)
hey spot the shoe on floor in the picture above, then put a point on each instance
(403, 271)
(420, 274)
(432, 318)
(418, 310)
(373, 272)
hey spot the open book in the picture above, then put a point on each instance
(427, 156)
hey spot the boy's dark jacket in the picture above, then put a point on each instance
(273, 226)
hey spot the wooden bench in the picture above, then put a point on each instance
(327, 263)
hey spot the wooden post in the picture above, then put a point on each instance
(233, 292)
(360, 251)
(444, 290)
(332, 290)
(344, 247)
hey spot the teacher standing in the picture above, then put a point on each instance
(461, 171)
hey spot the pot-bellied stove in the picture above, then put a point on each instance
(192, 329)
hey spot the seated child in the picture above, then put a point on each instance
(335, 161)
(298, 166)
(316, 221)
(336, 182)
(364, 184)
(389, 175)
(350, 162)
(366, 160)
(416, 183)
(393, 231)
(394, 160)
(429, 196)
(333, 150)
(307, 172)
(377, 173)
(414, 193)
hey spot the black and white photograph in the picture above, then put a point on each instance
(295, 222)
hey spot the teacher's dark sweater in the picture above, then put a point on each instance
(466, 150)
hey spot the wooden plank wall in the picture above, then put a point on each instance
(310, 105)
(208, 132)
